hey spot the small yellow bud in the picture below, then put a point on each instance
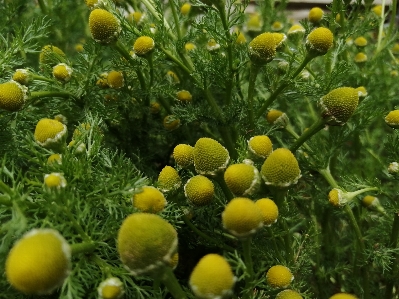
(190, 47)
(54, 158)
(115, 79)
(172, 77)
(104, 26)
(184, 96)
(360, 41)
(254, 23)
(212, 45)
(55, 180)
(143, 45)
(22, 76)
(288, 294)
(199, 191)
(62, 72)
(315, 15)
(378, 11)
(392, 119)
(360, 58)
(183, 155)
(277, 26)
(149, 200)
(168, 179)
(296, 29)
(279, 276)
(155, 107)
(241, 39)
(260, 146)
(268, 210)
(343, 296)
(12, 96)
(171, 122)
(50, 133)
(111, 288)
(185, 9)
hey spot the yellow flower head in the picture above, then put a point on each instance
(50, 133)
(360, 41)
(171, 122)
(149, 200)
(146, 242)
(254, 22)
(210, 156)
(336, 197)
(115, 79)
(377, 10)
(12, 96)
(360, 57)
(277, 117)
(62, 72)
(183, 155)
(79, 47)
(136, 17)
(241, 39)
(296, 30)
(268, 210)
(168, 179)
(189, 47)
(392, 119)
(343, 296)
(242, 217)
(185, 9)
(212, 278)
(50, 54)
(22, 76)
(263, 48)
(394, 49)
(111, 288)
(319, 41)
(212, 45)
(338, 105)
(281, 169)
(172, 77)
(143, 45)
(261, 146)
(279, 276)
(361, 91)
(104, 26)
(372, 203)
(277, 26)
(54, 158)
(39, 262)
(288, 294)
(315, 15)
(155, 107)
(199, 191)
(55, 180)
(184, 96)
(242, 179)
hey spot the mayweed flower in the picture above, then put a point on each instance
(155, 107)
(12, 96)
(393, 167)
(171, 122)
(190, 47)
(279, 276)
(168, 179)
(319, 41)
(296, 29)
(394, 49)
(360, 42)
(212, 45)
(241, 39)
(242, 217)
(268, 210)
(55, 180)
(81, 129)
(254, 23)
(115, 79)
(277, 26)
(172, 77)
(39, 262)
(288, 294)
(210, 156)
(281, 169)
(143, 45)
(184, 96)
(104, 26)
(315, 15)
(136, 17)
(377, 10)
(260, 146)
(61, 118)
(262, 49)
(392, 119)
(199, 191)
(212, 278)
(149, 200)
(343, 296)
(338, 105)
(360, 58)
(361, 91)
(394, 73)
(185, 9)
(22, 76)
(242, 179)
(79, 47)
(95, 3)
(111, 288)
(62, 72)
(50, 54)
(146, 242)
(183, 155)
(54, 158)
(50, 133)
(277, 117)
(372, 203)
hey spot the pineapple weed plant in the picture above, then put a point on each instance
(207, 149)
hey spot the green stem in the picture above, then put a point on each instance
(329, 178)
(43, 6)
(228, 141)
(76, 225)
(393, 242)
(291, 131)
(41, 78)
(277, 251)
(176, 19)
(219, 178)
(175, 60)
(205, 236)
(381, 27)
(393, 17)
(45, 94)
(316, 127)
(84, 247)
(246, 246)
(150, 6)
(5, 201)
(253, 74)
(151, 66)
(5, 189)
(172, 284)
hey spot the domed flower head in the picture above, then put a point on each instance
(168, 179)
(136, 17)
(360, 42)
(288, 294)
(210, 156)
(378, 11)
(260, 146)
(22, 76)
(55, 180)
(184, 96)
(319, 41)
(149, 200)
(54, 158)
(338, 105)
(171, 122)
(242, 217)
(212, 278)
(277, 117)
(115, 79)
(392, 119)
(146, 242)
(111, 288)
(51, 55)
(279, 276)
(183, 155)
(143, 45)
(254, 22)
(263, 48)
(50, 133)
(281, 169)
(104, 26)
(315, 15)
(185, 9)
(337, 197)
(12, 96)
(372, 203)
(190, 47)
(62, 72)
(296, 29)
(199, 191)
(277, 26)
(155, 107)
(268, 210)
(242, 179)
(360, 58)
(343, 296)
(39, 262)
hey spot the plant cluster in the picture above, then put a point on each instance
(202, 149)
